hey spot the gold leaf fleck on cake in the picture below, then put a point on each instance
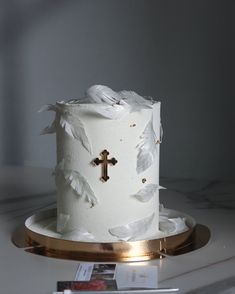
(133, 125)
(144, 180)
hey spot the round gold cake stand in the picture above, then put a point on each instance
(33, 241)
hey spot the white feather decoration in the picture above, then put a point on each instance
(132, 230)
(74, 127)
(48, 107)
(78, 235)
(146, 148)
(70, 122)
(100, 94)
(49, 129)
(62, 221)
(146, 193)
(66, 126)
(50, 225)
(172, 225)
(77, 182)
(80, 185)
(136, 101)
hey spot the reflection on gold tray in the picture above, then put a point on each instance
(196, 237)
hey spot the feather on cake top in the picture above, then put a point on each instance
(112, 105)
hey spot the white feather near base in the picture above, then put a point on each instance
(132, 230)
(62, 220)
(172, 225)
(78, 235)
(146, 193)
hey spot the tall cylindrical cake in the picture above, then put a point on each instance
(107, 172)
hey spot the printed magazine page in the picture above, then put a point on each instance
(111, 277)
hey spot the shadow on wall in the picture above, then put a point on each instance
(17, 19)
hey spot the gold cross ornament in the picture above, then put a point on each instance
(104, 161)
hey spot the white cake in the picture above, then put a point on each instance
(107, 172)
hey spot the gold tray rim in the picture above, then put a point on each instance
(142, 250)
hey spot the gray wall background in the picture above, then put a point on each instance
(178, 51)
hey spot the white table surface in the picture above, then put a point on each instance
(211, 269)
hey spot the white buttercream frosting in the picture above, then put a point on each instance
(127, 126)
